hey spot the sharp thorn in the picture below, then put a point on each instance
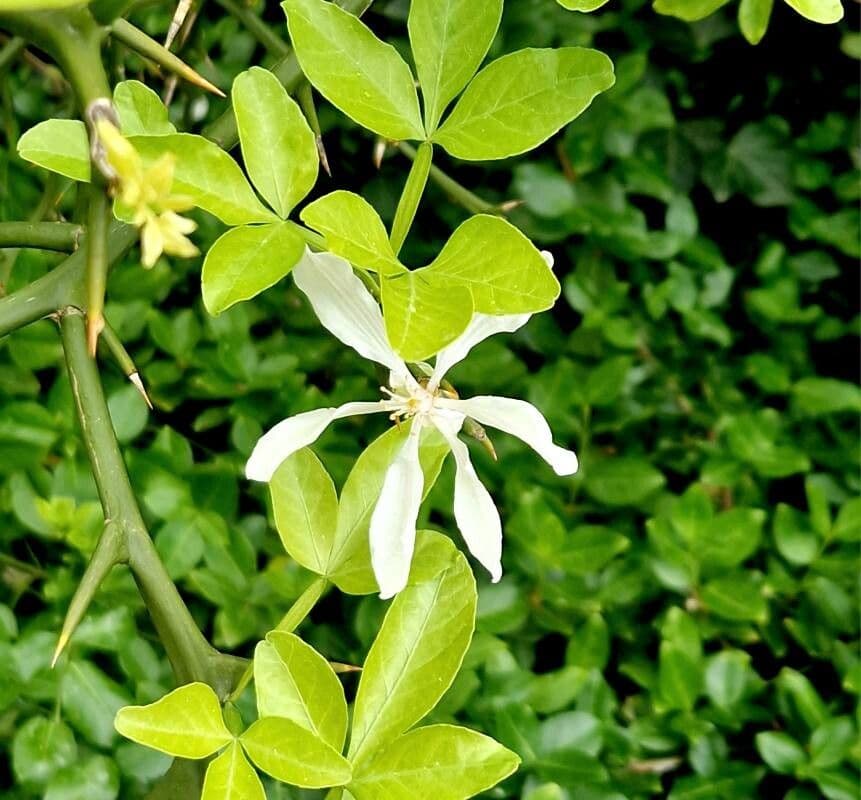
(109, 552)
(176, 23)
(321, 151)
(193, 76)
(380, 147)
(338, 667)
(95, 325)
(58, 650)
(149, 48)
(135, 378)
(509, 205)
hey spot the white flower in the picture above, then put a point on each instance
(348, 310)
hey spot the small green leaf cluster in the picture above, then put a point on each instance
(302, 722)
(511, 106)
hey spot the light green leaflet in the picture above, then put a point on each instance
(824, 11)
(421, 316)
(582, 5)
(331, 539)
(520, 100)
(186, 723)
(305, 506)
(295, 682)
(278, 146)
(503, 270)
(59, 145)
(292, 754)
(688, 10)
(280, 155)
(353, 230)
(140, 110)
(443, 762)
(449, 41)
(414, 658)
(364, 77)
(246, 260)
(231, 777)
(753, 17)
(208, 175)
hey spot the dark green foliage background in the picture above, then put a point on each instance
(693, 588)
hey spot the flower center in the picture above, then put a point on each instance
(406, 402)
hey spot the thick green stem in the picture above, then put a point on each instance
(411, 196)
(73, 38)
(63, 237)
(457, 192)
(190, 655)
(63, 286)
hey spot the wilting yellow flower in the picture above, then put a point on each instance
(146, 192)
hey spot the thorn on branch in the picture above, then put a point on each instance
(509, 205)
(380, 147)
(339, 668)
(124, 361)
(149, 48)
(321, 151)
(179, 16)
(110, 551)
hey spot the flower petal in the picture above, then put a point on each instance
(480, 328)
(474, 510)
(393, 521)
(345, 306)
(152, 242)
(520, 419)
(296, 432)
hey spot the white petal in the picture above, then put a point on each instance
(294, 433)
(520, 419)
(345, 306)
(474, 509)
(480, 328)
(393, 522)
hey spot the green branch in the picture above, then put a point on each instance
(125, 537)
(63, 286)
(74, 40)
(63, 237)
(456, 191)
